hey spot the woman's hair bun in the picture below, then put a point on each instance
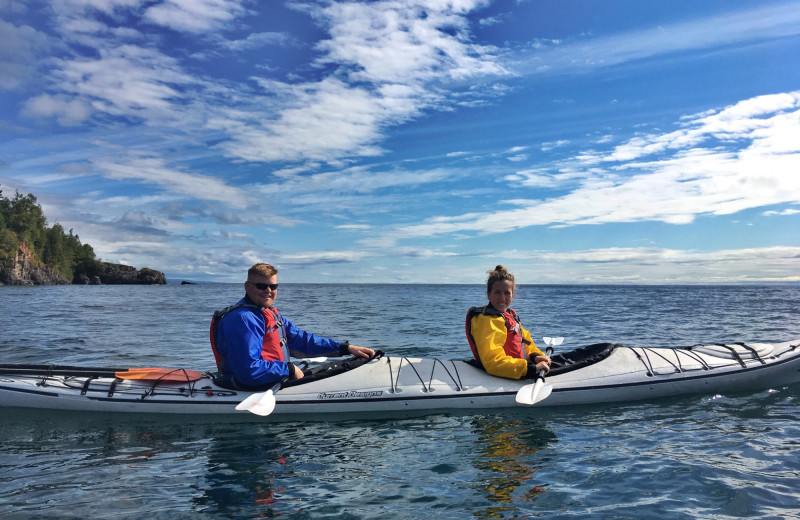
(499, 273)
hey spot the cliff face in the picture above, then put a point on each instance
(25, 270)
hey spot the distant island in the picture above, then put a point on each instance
(31, 253)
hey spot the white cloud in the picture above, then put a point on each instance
(155, 172)
(387, 58)
(321, 187)
(401, 42)
(532, 178)
(494, 20)
(656, 265)
(327, 120)
(394, 54)
(105, 6)
(258, 40)
(788, 211)
(68, 112)
(233, 237)
(141, 83)
(354, 226)
(13, 7)
(20, 47)
(321, 257)
(767, 21)
(194, 16)
(760, 170)
(127, 81)
(762, 119)
(552, 145)
(384, 64)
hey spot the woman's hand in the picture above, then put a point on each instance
(541, 362)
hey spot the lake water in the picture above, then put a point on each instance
(699, 456)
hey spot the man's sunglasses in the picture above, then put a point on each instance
(264, 286)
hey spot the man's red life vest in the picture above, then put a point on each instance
(273, 346)
(514, 345)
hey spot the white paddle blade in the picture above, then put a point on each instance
(557, 341)
(544, 393)
(547, 340)
(248, 403)
(525, 394)
(529, 394)
(537, 388)
(260, 404)
(532, 394)
(264, 408)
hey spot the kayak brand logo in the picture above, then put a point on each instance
(350, 394)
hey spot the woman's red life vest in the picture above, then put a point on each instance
(514, 345)
(273, 345)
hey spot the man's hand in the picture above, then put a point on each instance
(364, 352)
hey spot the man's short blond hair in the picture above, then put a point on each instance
(262, 269)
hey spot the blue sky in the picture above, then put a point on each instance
(412, 141)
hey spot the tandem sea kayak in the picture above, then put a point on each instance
(389, 386)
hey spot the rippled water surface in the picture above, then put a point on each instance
(699, 456)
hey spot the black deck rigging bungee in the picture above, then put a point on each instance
(694, 355)
(736, 355)
(113, 386)
(688, 351)
(752, 350)
(87, 383)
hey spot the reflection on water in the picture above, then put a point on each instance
(239, 472)
(505, 453)
(485, 466)
(254, 470)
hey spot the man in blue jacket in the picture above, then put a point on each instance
(253, 342)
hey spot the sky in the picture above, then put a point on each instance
(412, 141)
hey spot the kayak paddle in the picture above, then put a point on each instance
(532, 394)
(171, 375)
(164, 375)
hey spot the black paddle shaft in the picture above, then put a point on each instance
(59, 370)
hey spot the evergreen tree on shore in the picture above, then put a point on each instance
(22, 221)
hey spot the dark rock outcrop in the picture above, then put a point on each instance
(126, 274)
(83, 279)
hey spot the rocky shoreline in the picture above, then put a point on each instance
(22, 270)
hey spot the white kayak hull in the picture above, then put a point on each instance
(401, 386)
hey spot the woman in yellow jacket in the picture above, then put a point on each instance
(496, 337)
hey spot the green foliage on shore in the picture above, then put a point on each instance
(23, 222)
